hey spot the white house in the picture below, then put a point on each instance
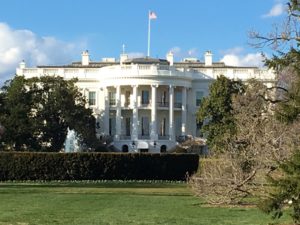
(146, 103)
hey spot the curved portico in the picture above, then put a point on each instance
(145, 113)
(145, 104)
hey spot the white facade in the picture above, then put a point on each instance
(145, 104)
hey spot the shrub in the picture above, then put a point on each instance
(96, 166)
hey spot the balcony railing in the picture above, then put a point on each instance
(163, 104)
(125, 137)
(177, 105)
(163, 137)
(112, 102)
(145, 137)
(145, 104)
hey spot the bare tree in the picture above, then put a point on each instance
(253, 152)
(282, 36)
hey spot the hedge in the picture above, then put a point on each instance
(96, 166)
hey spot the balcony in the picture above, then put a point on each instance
(177, 105)
(112, 102)
(125, 137)
(146, 105)
(143, 137)
(163, 104)
(163, 137)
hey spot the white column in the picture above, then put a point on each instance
(135, 116)
(106, 111)
(97, 98)
(153, 133)
(118, 113)
(171, 113)
(85, 93)
(183, 112)
(86, 97)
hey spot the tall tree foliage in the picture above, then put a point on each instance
(215, 112)
(288, 109)
(15, 109)
(37, 112)
(286, 192)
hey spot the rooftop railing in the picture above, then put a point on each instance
(148, 70)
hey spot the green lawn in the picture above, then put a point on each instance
(114, 203)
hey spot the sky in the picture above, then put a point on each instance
(56, 32)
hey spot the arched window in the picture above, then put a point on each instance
(163, 149)
(125, 148)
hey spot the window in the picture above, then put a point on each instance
(112, 98)
(178, 99)
(163, 149)
(145, 97)
(145, 126)
(92, 98)
(127, 98)
(164, 98)
(125, 148)
(178, 125)
(112, 126)
(199, 96)
(127, 126)
(163, 127)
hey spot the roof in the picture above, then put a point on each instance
(202, 65)
(146, 60)
(79, 65)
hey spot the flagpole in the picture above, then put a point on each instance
(148, 52)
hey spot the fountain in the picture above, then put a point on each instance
(71, 142)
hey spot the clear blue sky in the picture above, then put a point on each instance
(56, 31)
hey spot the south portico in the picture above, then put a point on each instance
(145, 117)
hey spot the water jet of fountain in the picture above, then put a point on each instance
(71, 142)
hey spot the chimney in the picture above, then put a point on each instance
(123, 58)
(170, 58)
(208, 58)
(22, 65)
(85, 58)
(19, 70)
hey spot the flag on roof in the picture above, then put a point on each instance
(152, 15)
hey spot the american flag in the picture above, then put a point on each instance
(152, 15)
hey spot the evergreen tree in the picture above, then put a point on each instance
(37, 112)
(287, 190)
(215, 112)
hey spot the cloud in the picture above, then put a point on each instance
(133, 55)
(277, 10)
(235, 50)
(193, 52)
(18, 45)
(232, 57)
(180, 53)
(175, 50)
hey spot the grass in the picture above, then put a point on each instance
(114, 203)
